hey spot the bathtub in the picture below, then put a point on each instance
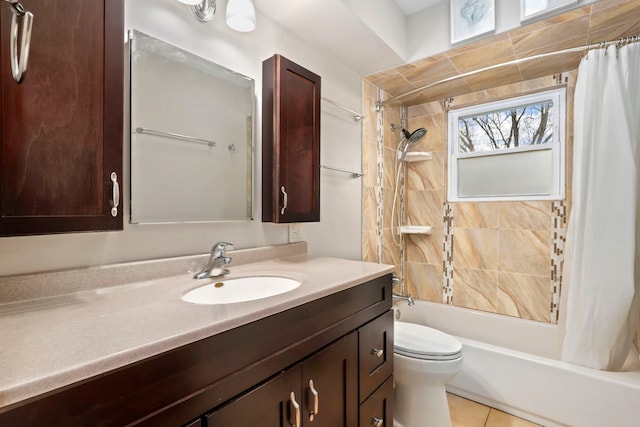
(512, 364)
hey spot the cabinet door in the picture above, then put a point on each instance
(269, 405)
(290, 142)
(330, 385)
(377, 410)
(375, 353)
(62, 127)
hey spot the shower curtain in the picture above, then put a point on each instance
(602, 258)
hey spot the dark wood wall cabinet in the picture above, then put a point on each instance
(326, 363)
(62, 127)
(290, 142)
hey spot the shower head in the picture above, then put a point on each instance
(414, 136)
(411, 138)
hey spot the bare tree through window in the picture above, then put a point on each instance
(508, 128)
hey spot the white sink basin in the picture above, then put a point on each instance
(242, 289)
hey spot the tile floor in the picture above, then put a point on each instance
(467, 413)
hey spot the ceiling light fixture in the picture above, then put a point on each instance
(241, 15)
(203, 10)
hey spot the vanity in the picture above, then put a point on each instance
(135, 354)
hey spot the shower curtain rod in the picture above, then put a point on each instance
(622, 41)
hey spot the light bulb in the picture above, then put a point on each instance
(241, 15)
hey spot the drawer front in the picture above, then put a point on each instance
(375, 345)
(377, 410)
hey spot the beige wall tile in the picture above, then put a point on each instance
(369, 246)
(466, 413)
(475, 249)
(426, 249)
(369, 163)
(390, 167)
(390, 252)
(476, 215)
(535, 215)
(387, 195)
(428, 109)
(369, 208)
(525, 252)
(477, 289)
(524, 296)
(424, 207)
(391, 116)
(428, 70)
(428, 174)
(424, 281)
(435, 139)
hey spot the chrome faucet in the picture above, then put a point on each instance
(217, 261)
(396, 281)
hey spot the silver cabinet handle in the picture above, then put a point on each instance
(19, 59)
(377, 352)
(296, 407)
(285, 201)
(377, 422)
(316, 404)
(116, 194)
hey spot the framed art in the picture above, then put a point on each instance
(531, 9)
(471, 18)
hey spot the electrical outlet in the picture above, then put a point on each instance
(295, 233)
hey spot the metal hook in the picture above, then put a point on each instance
(19, 59)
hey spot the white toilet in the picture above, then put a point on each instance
(424, 360)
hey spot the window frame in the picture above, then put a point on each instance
(557, 146)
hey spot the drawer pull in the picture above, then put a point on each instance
(296, 407)
(316, 405)
(377, 352)
(285, 201)
(116, 194)
(377, 422)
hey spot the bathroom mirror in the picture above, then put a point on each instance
(191, 136)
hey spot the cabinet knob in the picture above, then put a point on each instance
(377, 352)
(377, 422)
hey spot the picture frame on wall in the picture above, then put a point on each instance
(532, 9)
(471, 18)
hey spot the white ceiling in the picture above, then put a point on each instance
(409, 7)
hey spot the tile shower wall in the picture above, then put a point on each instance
(500, 257)
(505, 256)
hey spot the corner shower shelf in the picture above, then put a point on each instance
(415, 229)
(416, 156)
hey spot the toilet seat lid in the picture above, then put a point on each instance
(422, 342)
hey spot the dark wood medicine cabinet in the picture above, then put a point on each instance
(61, 151)
(290, 142)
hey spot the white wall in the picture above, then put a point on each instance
(337, 234)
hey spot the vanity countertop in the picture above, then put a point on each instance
(51, 342)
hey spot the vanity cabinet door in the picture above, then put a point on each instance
(325, 386)
(62, 127)
(330, 384)
(377, 410)
(268, 405)
(376, 353)
(290, 142)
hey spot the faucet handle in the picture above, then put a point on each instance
(220, 248)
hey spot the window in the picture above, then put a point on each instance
(508, 150)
